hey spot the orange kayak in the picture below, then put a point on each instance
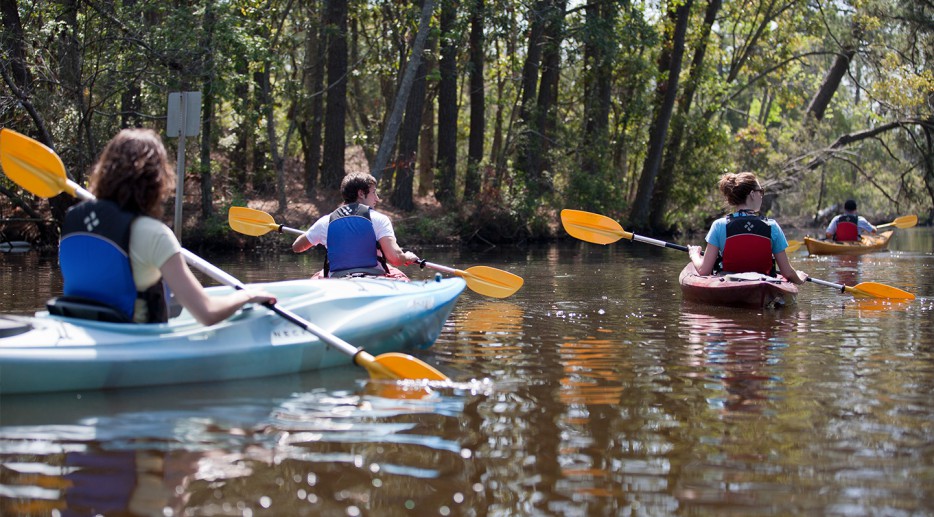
(866, 244)
(753, 290)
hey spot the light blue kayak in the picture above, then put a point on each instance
(48, 353)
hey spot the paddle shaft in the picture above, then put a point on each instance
(841, 287)
(656, 242)
(443, 269)
(225, 278)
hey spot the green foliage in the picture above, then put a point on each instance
(114, 64)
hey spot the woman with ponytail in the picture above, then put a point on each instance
(743, 241)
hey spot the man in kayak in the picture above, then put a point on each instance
(116, 251)
(360, 241)
(847, 227)
(743, 241)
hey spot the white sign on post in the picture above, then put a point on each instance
(184, 119)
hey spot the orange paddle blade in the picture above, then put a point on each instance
(877, 290)
(32, 165)
(905, 221)
(250, 222)
(591, 227)
(402, 366)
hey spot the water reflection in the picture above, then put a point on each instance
(284, 444)
(847, 269)
(481, 333)
(594, 390)
(738, 350)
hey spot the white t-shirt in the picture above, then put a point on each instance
(152, 243)
(318, 233)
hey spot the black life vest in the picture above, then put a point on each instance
(352, 244)
(847, 228)
(748, 246)
(94, 255)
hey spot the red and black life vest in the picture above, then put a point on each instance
(847, 228)
(748, 246)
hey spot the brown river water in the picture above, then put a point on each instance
(594, 390)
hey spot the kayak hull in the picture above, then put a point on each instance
(866, 244)
(49, 353)
(744, 290)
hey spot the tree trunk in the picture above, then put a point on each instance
(262, 172)
(240, 168)
(332, 171)
(818, 105)
(530, 74)
(447, 107)
(477, 104)
(278, 164)
(207, 110)
(18, 78)
(13, 40)
(405, 88)
(599, 54)
(672, 157)
(544, 57)
(928, 159)
(548, 97)
(669, 63)
(427, 146)
(310, 105)
(406, 162)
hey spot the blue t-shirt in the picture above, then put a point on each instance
(717, 234)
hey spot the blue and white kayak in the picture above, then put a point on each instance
(46, 353)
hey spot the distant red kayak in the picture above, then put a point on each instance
(751, 290)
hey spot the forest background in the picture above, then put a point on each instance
(482, 119)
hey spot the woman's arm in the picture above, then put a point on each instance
(704, 263)
(208, 310)
(784, 267)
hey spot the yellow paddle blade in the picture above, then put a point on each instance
(590, 227)
(490, 281)
(32, 165)
(402, 366)
(250, 222)
(905, 221)
(793, 246)
(877, 290)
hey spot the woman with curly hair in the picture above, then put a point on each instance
(116, 252)
(743, 241)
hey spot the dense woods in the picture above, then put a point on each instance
(499, 112)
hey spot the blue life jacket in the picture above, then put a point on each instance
(847, 228)
(95, 260)
(748, 246)
(352, 244)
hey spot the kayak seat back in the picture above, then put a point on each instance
(86, 309)
(95, 268)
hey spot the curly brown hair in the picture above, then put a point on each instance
(737, 187)
(354, 182)
(133, 171)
